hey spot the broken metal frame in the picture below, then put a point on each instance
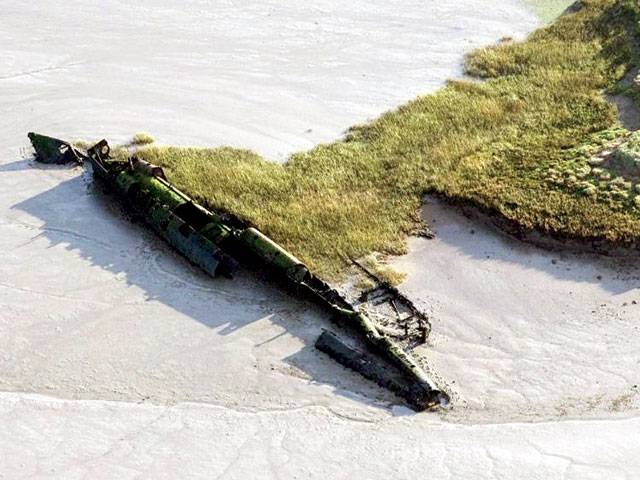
(385, 292)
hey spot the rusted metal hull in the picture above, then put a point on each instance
(213, 244)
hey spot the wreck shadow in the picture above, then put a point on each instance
(475, 237)
(31, 164)
(18, 165)
(79, 216)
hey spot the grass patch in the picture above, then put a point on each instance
(384, 272)
(142, 138)
(548, 10)
(495, 144)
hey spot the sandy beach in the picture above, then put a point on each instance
(118, 358)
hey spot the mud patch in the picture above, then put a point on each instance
(628, 111)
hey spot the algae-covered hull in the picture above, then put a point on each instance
(217, 246)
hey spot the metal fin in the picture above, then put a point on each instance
(54, 150)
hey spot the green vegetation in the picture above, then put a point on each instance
(548, 10)
(142, 138)
(521, 144)
(384, 272)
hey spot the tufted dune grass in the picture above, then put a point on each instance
(488, 143)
